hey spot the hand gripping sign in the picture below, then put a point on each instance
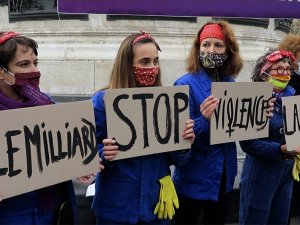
(44, 145)
(145, 121)
(241, 112)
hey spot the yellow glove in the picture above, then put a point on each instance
(296, 167)
(167, 199)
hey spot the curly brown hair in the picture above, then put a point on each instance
(290, 43)
(233, 64)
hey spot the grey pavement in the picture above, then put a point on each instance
(294, 221)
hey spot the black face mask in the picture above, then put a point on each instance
(212, 60)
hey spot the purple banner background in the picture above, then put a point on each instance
(214, 8)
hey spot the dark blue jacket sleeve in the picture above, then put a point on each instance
(261, 148)
(100, 118)
(180, 157)
(101, 127)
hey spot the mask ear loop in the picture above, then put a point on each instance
(265, 76)
(5, 71)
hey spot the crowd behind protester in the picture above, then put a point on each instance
(129, 191)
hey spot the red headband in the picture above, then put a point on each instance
(144, 35)
(7, 35)
(212, 31)
(276, 56)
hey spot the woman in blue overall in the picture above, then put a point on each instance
(266, 179)
(18, 75)
(203, 182)
(128, 190)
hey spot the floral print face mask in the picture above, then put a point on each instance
(212, 60)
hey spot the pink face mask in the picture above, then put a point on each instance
(145, 76)
(20, 79)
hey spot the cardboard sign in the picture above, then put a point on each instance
(46, 145)
(220, 8)
(145, 121)
(241, 113)
(291, 119)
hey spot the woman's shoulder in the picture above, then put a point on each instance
(228, 78)
(190, 77)
(99, 94)
(98, 97)
(289, 91)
